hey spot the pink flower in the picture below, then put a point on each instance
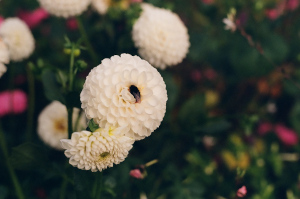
(287, 136)
(208, 2)
(272, 13)
(136, 173)
(72, 24)
(264, 128)
(241, 192)
(33, 18)
(210, 74)
(292, 4)
(12, 102)
(196, 75)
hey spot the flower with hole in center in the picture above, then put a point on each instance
(125, 91)
(18, 38)
(98, 150)
(53, 124)
(160, 36)
(65, 8)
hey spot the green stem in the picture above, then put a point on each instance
(31, 104)
(63, 189)
(71, 79)
(11, 171)
(70, 123)
(71, 71)
(87, 42)
(98, 186)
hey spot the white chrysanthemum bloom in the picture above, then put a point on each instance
(98, 150)
(53, 124)
(101, 6)
(4, 53)
(65, 8)
(127, 92)
(18, 38)
(3, 69)
(160, 36)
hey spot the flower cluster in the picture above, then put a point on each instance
(127, 98)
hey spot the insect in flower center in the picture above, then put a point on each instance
(104, 155)
(136, 93)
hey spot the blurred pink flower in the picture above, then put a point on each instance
(196, 75)
(287, 136)
(12, 102)
(264, 128)
(210, 74)
(292, 4)
(241, 192)
(208, 2)
(136, 173)
(33, 18)
(272, 13)
(72, 24)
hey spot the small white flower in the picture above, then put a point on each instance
(3, 69)
(229, 24)
(230, 21)
(98, 150)
(53, 124)
(127, 92)
(65, 8)
(101, 6)
(160, 36)
(18, 38)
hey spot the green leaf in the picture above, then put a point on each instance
(172, 90)
(215, 127)
(3, 192)
(28, 156)
(92, 126)
(51, 86)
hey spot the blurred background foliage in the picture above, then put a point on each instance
(219, 97)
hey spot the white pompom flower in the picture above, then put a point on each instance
(18, 38)
(101, 6)
(53, 124)
(65, 8)
(98, 150)
(125, 91)
(160, 36)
